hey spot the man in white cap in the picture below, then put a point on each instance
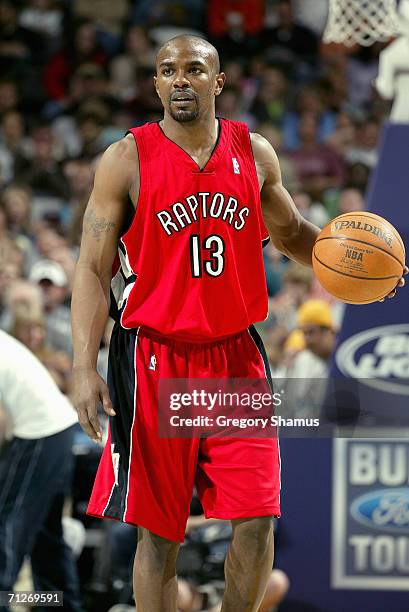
(53, 281)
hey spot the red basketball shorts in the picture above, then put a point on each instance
(147, 480)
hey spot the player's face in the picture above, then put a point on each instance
(187, 81)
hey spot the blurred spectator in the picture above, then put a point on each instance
(313, 211)
(296, 285)
(40, 451)
(307, 375)
(343, 137)
(151, 13)
(53, 282)
(312, 13)
(82, 49)
(40, 165)
(43, 17)
(30, 330)
(12, 142)
(274, 265)
(16, 200)
(310, 100)
(109, 17)
(294, 343)
(318, 167)
(138, 52)
(362, 69)
(270, 101)
(365, 148)
(145, 105)
(22, 298)
(357, 175)
(229, 105)
(9, 96)
(289, 42)
(350, 200)
(234, 25)
(287, 167)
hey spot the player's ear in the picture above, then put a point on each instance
(220, 81)
(155, 81)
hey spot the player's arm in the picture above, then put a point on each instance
(102, 225)
(289, 231)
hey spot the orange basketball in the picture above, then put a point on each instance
(359, 257)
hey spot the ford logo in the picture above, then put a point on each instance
(379, 357)
(386, 510)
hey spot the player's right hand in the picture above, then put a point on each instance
(89, 389)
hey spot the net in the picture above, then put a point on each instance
(361, 21)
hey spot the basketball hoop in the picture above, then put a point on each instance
(361, 21)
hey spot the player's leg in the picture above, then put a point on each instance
(248, 564)
(154, 574)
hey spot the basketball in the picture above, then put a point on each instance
(359, 257)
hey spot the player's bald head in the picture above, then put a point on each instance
(194, 45)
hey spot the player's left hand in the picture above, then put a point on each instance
(401, 283)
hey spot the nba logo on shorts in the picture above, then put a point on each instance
(152, 363)
(236, 167)
(115, 462)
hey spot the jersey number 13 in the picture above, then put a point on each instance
(210, 262)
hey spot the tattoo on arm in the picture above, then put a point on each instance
(97, 225)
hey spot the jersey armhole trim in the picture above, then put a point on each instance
(251, 163)
(143, 177)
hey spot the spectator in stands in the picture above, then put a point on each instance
(365, 148)
(30, 330)
(83, 49)
(139, 51)
(270, 101)
(35, 475)
(21, 298)
(51, 278)
(289, 41)
(306, 377)
(296, 285)
(318, 167)
(40, 167)
(12, 143)
(288, 171)
(44, 17)
(311, 100)
(9, 96)
(350, 200)
(313, 211)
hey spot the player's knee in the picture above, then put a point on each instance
(155, 552)
(255, 533)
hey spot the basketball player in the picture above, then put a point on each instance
(187, 286)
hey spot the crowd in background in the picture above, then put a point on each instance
(76, 74)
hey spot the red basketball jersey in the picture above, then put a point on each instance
(191, 264)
